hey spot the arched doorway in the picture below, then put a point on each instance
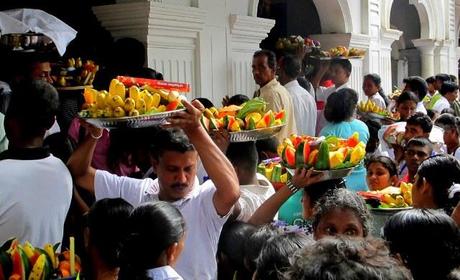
(405, 57)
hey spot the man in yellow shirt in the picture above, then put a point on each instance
(276, 96)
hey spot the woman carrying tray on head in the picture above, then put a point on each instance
(339, 111)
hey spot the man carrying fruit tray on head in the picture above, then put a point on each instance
(174, 158)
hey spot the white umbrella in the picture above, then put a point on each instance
(38, 21)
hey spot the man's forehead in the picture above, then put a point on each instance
(178, 156)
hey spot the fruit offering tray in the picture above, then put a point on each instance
(132, 122)
(254, 135)
(328, 174)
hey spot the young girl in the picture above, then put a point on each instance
(341, 212)
(437, 184)
(154, 243)
(381, 173)
(406, 105)
(451, 125)
(427, 241)
(373, 90)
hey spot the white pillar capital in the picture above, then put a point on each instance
(387, 37)
(426, 48)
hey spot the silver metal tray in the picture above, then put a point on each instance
(328, 174)
(256, 134)
(132, 122)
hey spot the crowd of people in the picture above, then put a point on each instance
(175, 202)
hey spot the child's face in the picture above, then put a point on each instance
(450, 136)
(406, 109)
(451, 96)
(339, 222)
(369, 87)
(378, 177)
(339, 75)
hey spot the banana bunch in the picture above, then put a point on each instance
(120, 101)
(77, 73)
(371, 107)
(392, 197)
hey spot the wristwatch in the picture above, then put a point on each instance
(291, 187)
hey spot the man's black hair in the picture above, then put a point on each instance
(34, 104)
(418, 85)
(243, 155)
(271, 58)
(443, 77)
(448, 87)
(430, 80)
(344, 63)
(422, 120)
(173, 140)
(291, 66)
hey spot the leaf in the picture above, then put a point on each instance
(56, 246)
(7, 244)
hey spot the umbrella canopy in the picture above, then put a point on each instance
(38, 21)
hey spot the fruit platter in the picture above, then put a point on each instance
(274, 171)
(390, 197)
(75, 73)
(332, 156)
(339, 52)
(371, 110)
(248, 122)
(24, 261)
(132, 102)
(296, 44)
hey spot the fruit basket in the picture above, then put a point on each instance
(24, 261)
(140, 105)
(370, 110)
(339, 52)
(274, 171)
(331, 156)
(248, 122)
(74, 74)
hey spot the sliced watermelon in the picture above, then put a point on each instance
(173, 105)
(313, 157)
(251, 124)
(269, 118)
(281, 115)
(353, 140)
(213, 124)
(306, 152)
(289, 154)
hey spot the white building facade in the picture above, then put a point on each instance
(209, 43)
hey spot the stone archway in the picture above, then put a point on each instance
(426, 12)
(335, 16)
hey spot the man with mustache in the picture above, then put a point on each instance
(174, 158)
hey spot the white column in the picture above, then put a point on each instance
(169, 32)
(246, 33)
(387, 37)
(426, 47)
(441, 57)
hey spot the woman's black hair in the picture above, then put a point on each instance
(106, 223)
(407, 96)
(318, 190)
(238, 99)
(427, 240)
(153, 227)
(341, 105)
(343, 199)
(206, 102)
(342, 258)
(274, 256)
(448, 121)
(442, 172)
(231, 242)
(254, 244)
(373, 126)
(375, 78)
(387, 162)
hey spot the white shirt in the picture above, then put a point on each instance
(34, 199)
(163, 273)
(322, 93)
(421, 108)
(304, 108)
(203, 223)
(378, 100)
(252, 196)
(441, 104)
